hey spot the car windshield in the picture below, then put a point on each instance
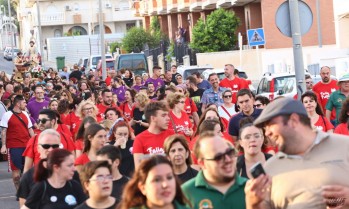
(289, 85)
(189, 72)
(110, 64)
(280, 82)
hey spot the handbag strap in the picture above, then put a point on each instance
(225, 110)
(173, 123)
(20, 119)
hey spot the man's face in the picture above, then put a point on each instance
(39, 93)
(228, 71)
(309, 84)
(178, 154)
(151, 88)
(173, 70)
(245, 103)
(344, 86)
(49, 86)
(65, 69)
(22, 105)
(112, 73)
(157, 72)
(325, 74)
(189, 87)
(161, 119)
(44, 122)
(107, 98)
(168, 76)
(47, 139)
(214, 81)
(223, 168)
(258, 104)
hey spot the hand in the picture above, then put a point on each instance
(335, 196)
(257, 190)
(3, 149)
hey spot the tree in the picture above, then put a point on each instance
(136, 38)
(217, 33)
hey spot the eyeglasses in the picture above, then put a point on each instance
(101, 178)
(227, 96)
(87, 109)
(309, 82)
(47, 146)
(43, 121)
(231, 152)
(255, 135)
(257, 105)
(53, 99)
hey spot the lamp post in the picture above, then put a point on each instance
(39, 30)
(101, 32)
(11, 31)
(2, 21)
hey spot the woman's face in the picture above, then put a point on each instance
(145, 77)
(100, 184)
(72, 90)
(227, 97)
(138, 80)
(54, 105)
(251, 140)
(127, 74)
(309, 104)
(67, 168)
(159, 187)
(217, 130)
(88, 110)
(178, 154)
(211, 115)
(83, 86)
(98, 140)
(128, 96)
(111, 115)
(121, 133)
(181, 104)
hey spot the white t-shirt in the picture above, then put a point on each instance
(224, 114)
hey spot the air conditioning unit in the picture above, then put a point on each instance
(117, 9)
(107, 5)
(67, 8)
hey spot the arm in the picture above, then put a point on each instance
(137, 159)
(330, 192)
(28, 163)
(203, 107)
(21, 202)
(196, 118)
(328, 114)
(257, 192)
(144, 124)
(3, 140)
(31, 132)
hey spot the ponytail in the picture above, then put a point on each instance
(41, 172)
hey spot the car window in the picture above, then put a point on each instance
(189, 72)
(260, 86)
(289, 86)
(279, 82)
(243, 75)
(110, 64)
(95, 60)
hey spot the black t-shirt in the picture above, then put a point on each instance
(128, 81)
(187, 175)
(127, 165)
(85, 206)
(241, 165)
(138, 115)
(27, 183)
(76, 74)
(174, 78)
(196, 97)
(118, 187)
(47, 197)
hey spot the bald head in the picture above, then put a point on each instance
(47, 141)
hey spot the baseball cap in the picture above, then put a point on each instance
(282, 106)
(344, 78)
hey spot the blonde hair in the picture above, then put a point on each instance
(173, 99)
(142, 99)
(107, 124)
(79, 110)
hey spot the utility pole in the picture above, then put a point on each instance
(101, 33)
(297, 47)
(40, 35)
(11, 32)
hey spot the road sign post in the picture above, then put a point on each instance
(256, 37)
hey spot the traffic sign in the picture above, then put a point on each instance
(256, 37)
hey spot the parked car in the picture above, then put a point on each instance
(187, 71)
(136, 62)
(110, 65)
(83, 64)
(9, 56)
(94, 59)
(6, 49)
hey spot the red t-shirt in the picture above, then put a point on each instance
(17, 135)
(324, 91)
(126, 109)
(234, 85)
(101, 110)
(79, 144)
(149, 143)
(73, 121)
(190, 106)
(342, 129)
(82, 159)
(323, 124)
(108, 81)
(32, 151)
(181, 123)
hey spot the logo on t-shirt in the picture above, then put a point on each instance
(156, 150)
(325, 95)
(70, 199)
(53, 199)
(332, 90)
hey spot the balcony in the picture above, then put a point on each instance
(195, 6)
(143, 8)
(161, 7)
(152, 9)
(224, 3)
(57, 18)
(171, 6)
(183, 6)
(209, 4)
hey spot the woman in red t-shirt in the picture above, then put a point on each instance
(127, 106)
(179, 119)
(343, 127)
(95, 138)
(315, 113)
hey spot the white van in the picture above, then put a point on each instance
(94, 59)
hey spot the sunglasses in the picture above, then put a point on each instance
(47, 146)
(227, 96)
(257, 105)
(231, 152)
(43, 121)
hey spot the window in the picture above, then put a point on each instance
(57, 33)
(76, 7)
(130, 25)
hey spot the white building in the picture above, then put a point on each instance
(73, 17)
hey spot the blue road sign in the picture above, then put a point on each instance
(256, 37)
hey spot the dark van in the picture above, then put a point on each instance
(135, 62)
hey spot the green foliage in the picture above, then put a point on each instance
(114, 46)
(136, 38)
(170, 52)
(217, 33)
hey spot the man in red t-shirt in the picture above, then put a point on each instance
(16, 131)
(107, 96)
(111, 75)
(151, 141)
(325, 87)
(232, 82)
(47, 120)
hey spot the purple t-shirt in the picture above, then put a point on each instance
(120, 92)
(137, 88)
(34, 108)
(157, 82)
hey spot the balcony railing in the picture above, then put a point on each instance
(53, 18)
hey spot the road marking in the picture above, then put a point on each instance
(7, 197)
(5, 180)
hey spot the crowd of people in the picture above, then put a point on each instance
(73, 140)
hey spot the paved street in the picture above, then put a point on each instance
(5, 65)
(7, 189)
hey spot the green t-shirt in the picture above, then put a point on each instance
(336, 101)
